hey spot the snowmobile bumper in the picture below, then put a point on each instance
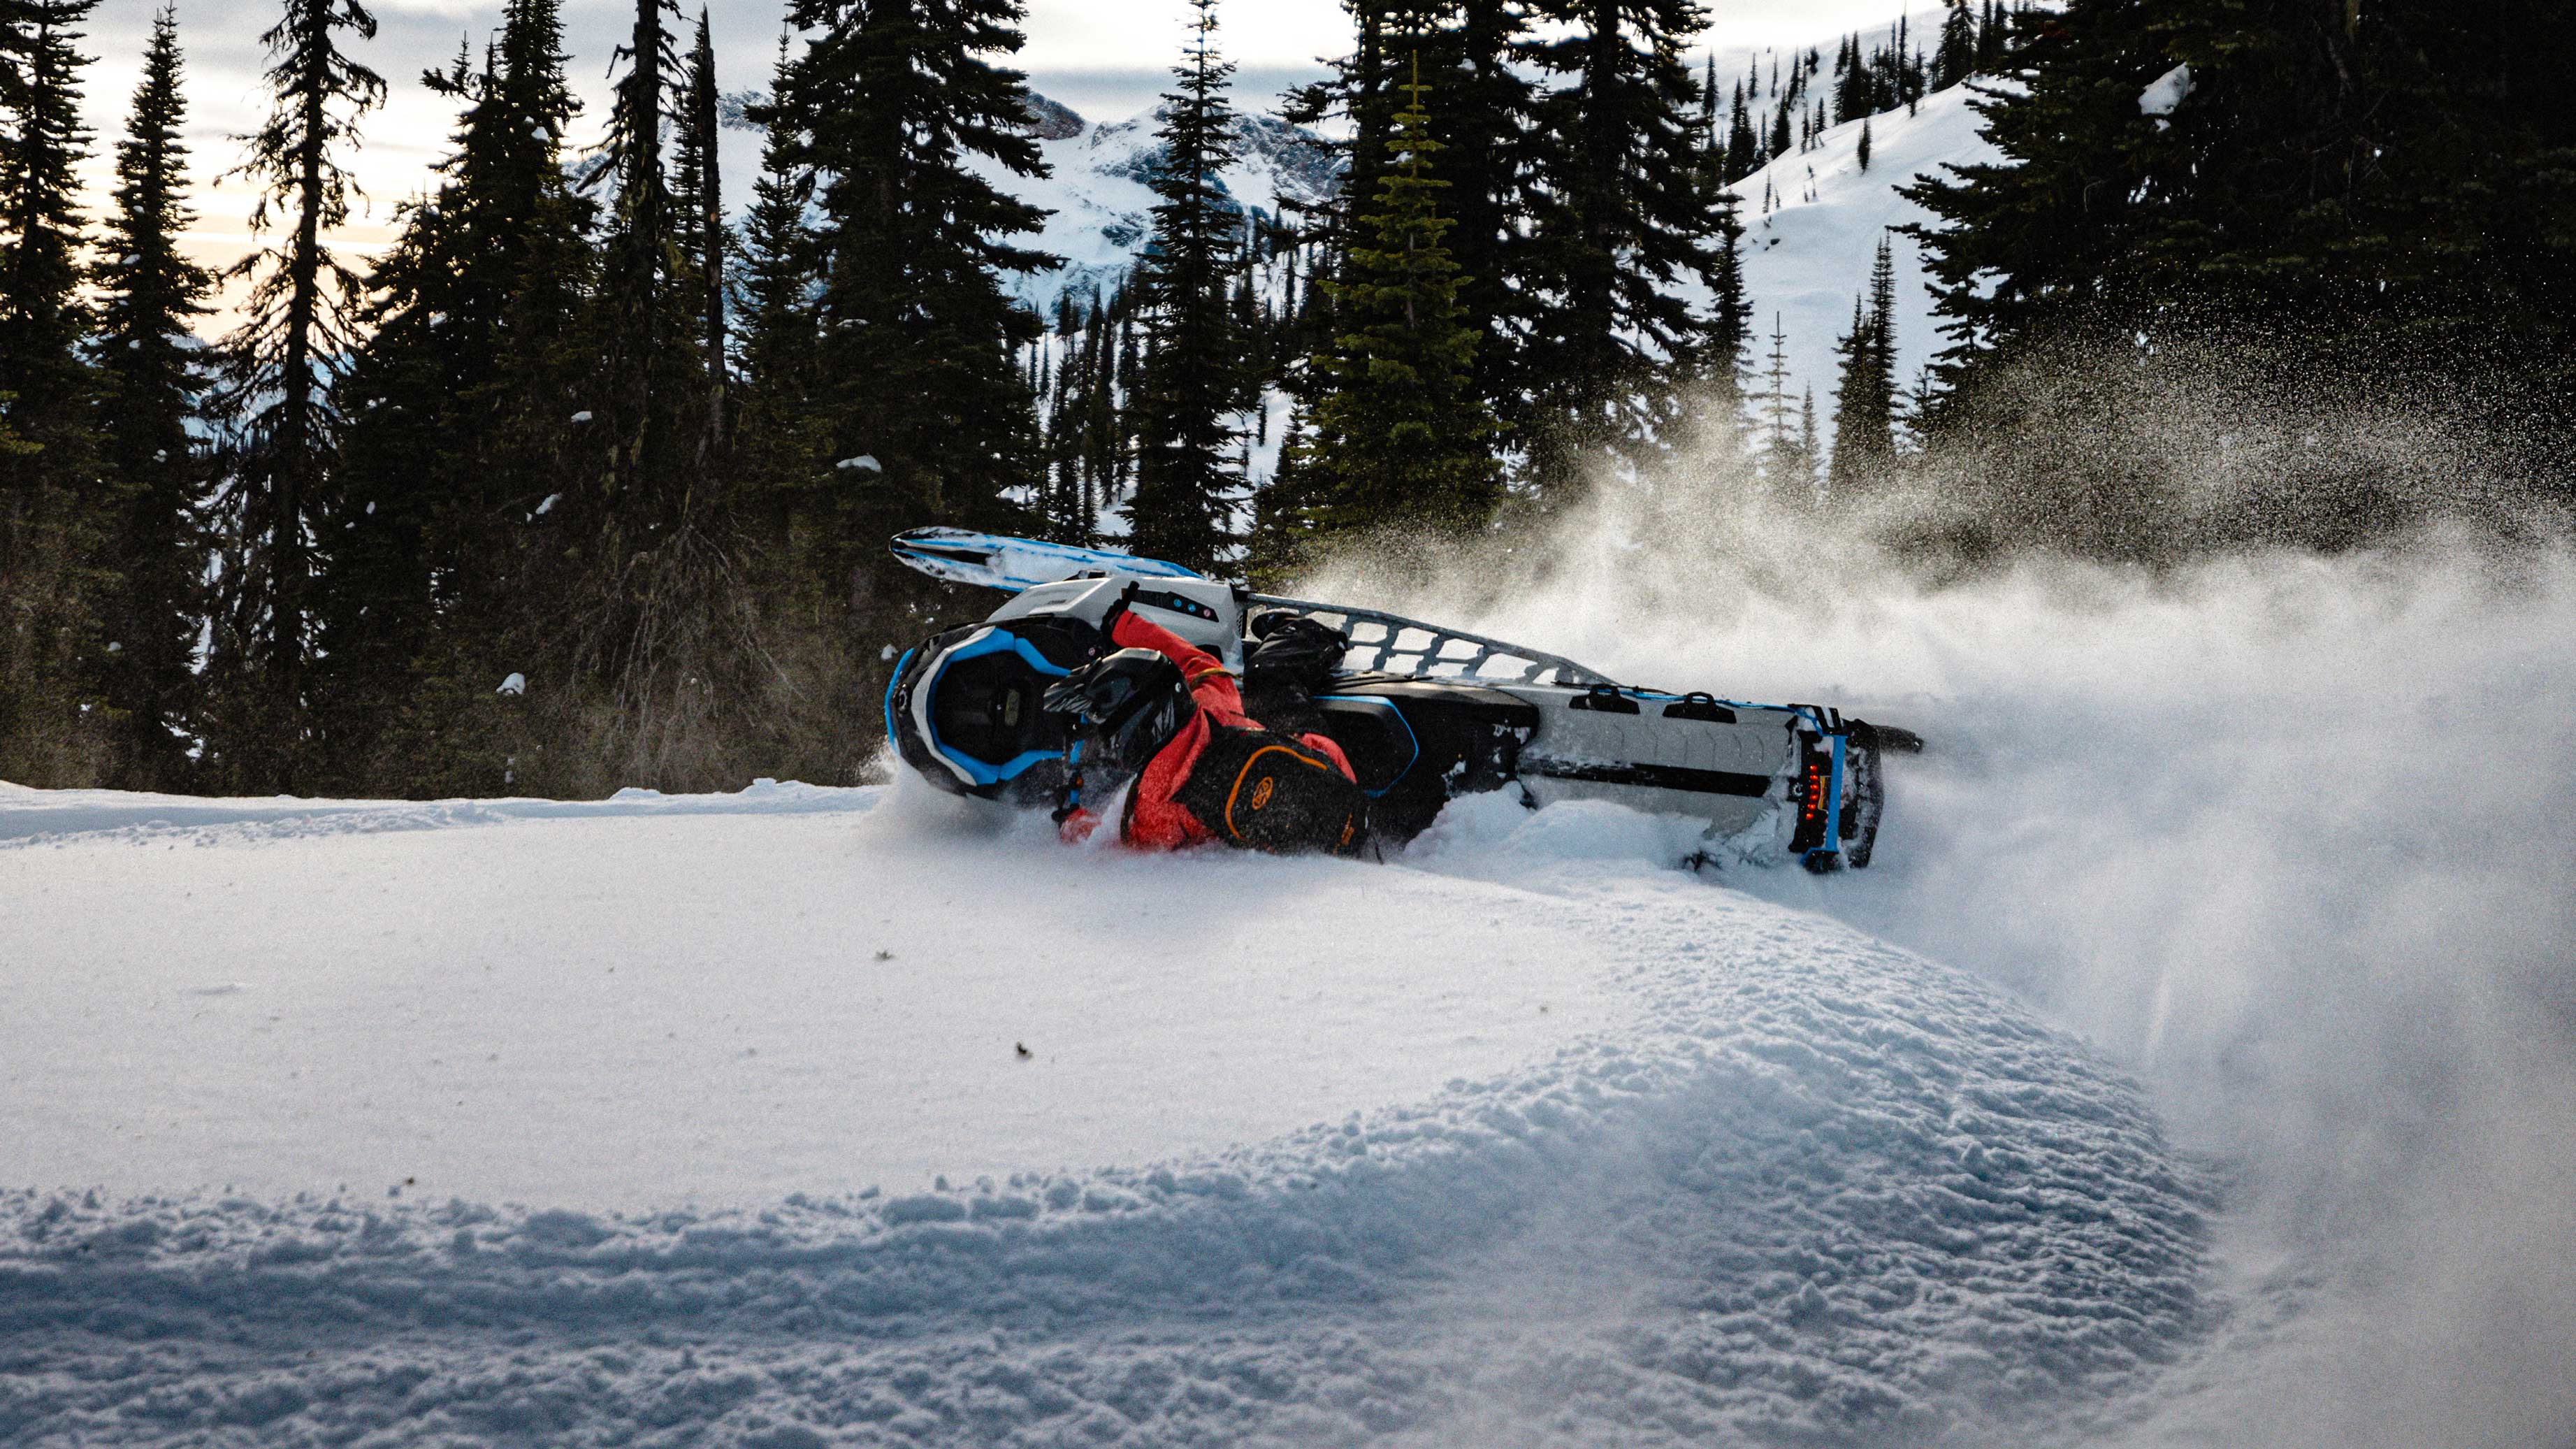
(962, 709)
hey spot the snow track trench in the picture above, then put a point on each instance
(1811, 1190)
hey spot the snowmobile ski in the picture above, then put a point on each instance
(995, 561)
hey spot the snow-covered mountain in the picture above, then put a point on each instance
(1812, 222)
(1101, 203)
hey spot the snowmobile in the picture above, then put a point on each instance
(1425, 714)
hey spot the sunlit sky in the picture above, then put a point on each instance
(1106, 59)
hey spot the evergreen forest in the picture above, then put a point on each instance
(585, 482)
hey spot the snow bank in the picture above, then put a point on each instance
(1748, 1174)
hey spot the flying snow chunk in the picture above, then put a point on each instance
(865, 463)
(2164, 93)
(551, 500)
(517, 683)
(582, 417)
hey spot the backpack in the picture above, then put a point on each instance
(1264, 791)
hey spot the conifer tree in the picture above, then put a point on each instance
(777, 273)
(779, 437)
(1186, 399)
(458, 452)
(894, 99)
(1400, 435)
(2359, 191)
(1743, 154)
(698, 195)
(1860, 153)
(1865, 400)
(1622, 227)
(642, 300)
(1724, 354)
(54, 508)
(1484, 121)
(1956, 60)
(282, 421)
(150, 296)
(1777, 447)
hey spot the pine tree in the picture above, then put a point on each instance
(1865, 400)
(698, 197)
(150, 295)
(1400, 435)
(460, 446)
(1622, 226)
(644, 296)
(281, 419)
(1723, 355)
(55, 512)
(1856, 89)
(1184, 474)
(1485, 123)
(780, 434)
(1860, 153)
(2360, 194)
(1956, 60)
(1777, 449)
(894, 98)
(1743, 156)
(777, 274)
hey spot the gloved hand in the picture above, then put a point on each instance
(1109, 621)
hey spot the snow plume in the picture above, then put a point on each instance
(2290, 834)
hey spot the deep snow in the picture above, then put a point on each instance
(1755, 1176)
(1525, 1138)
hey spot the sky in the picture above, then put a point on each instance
(1105, 58)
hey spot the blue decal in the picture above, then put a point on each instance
(1409, 737)
(1834, 801)
(890, 684)
(996, 642)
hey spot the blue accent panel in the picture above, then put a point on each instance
(997, 642)
(889, 694)
(1001, 641)
(1410, 738)
(1834, 800)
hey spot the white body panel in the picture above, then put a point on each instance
(1761, 742)
(1219, 630)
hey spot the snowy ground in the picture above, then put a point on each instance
(2193, 1068)
(511, 1121)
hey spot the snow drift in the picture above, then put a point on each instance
(1575, 1146)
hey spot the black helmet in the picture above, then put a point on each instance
(1134, 700)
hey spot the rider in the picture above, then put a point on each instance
(1168, 713)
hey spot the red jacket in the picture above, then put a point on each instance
(1154, 820)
